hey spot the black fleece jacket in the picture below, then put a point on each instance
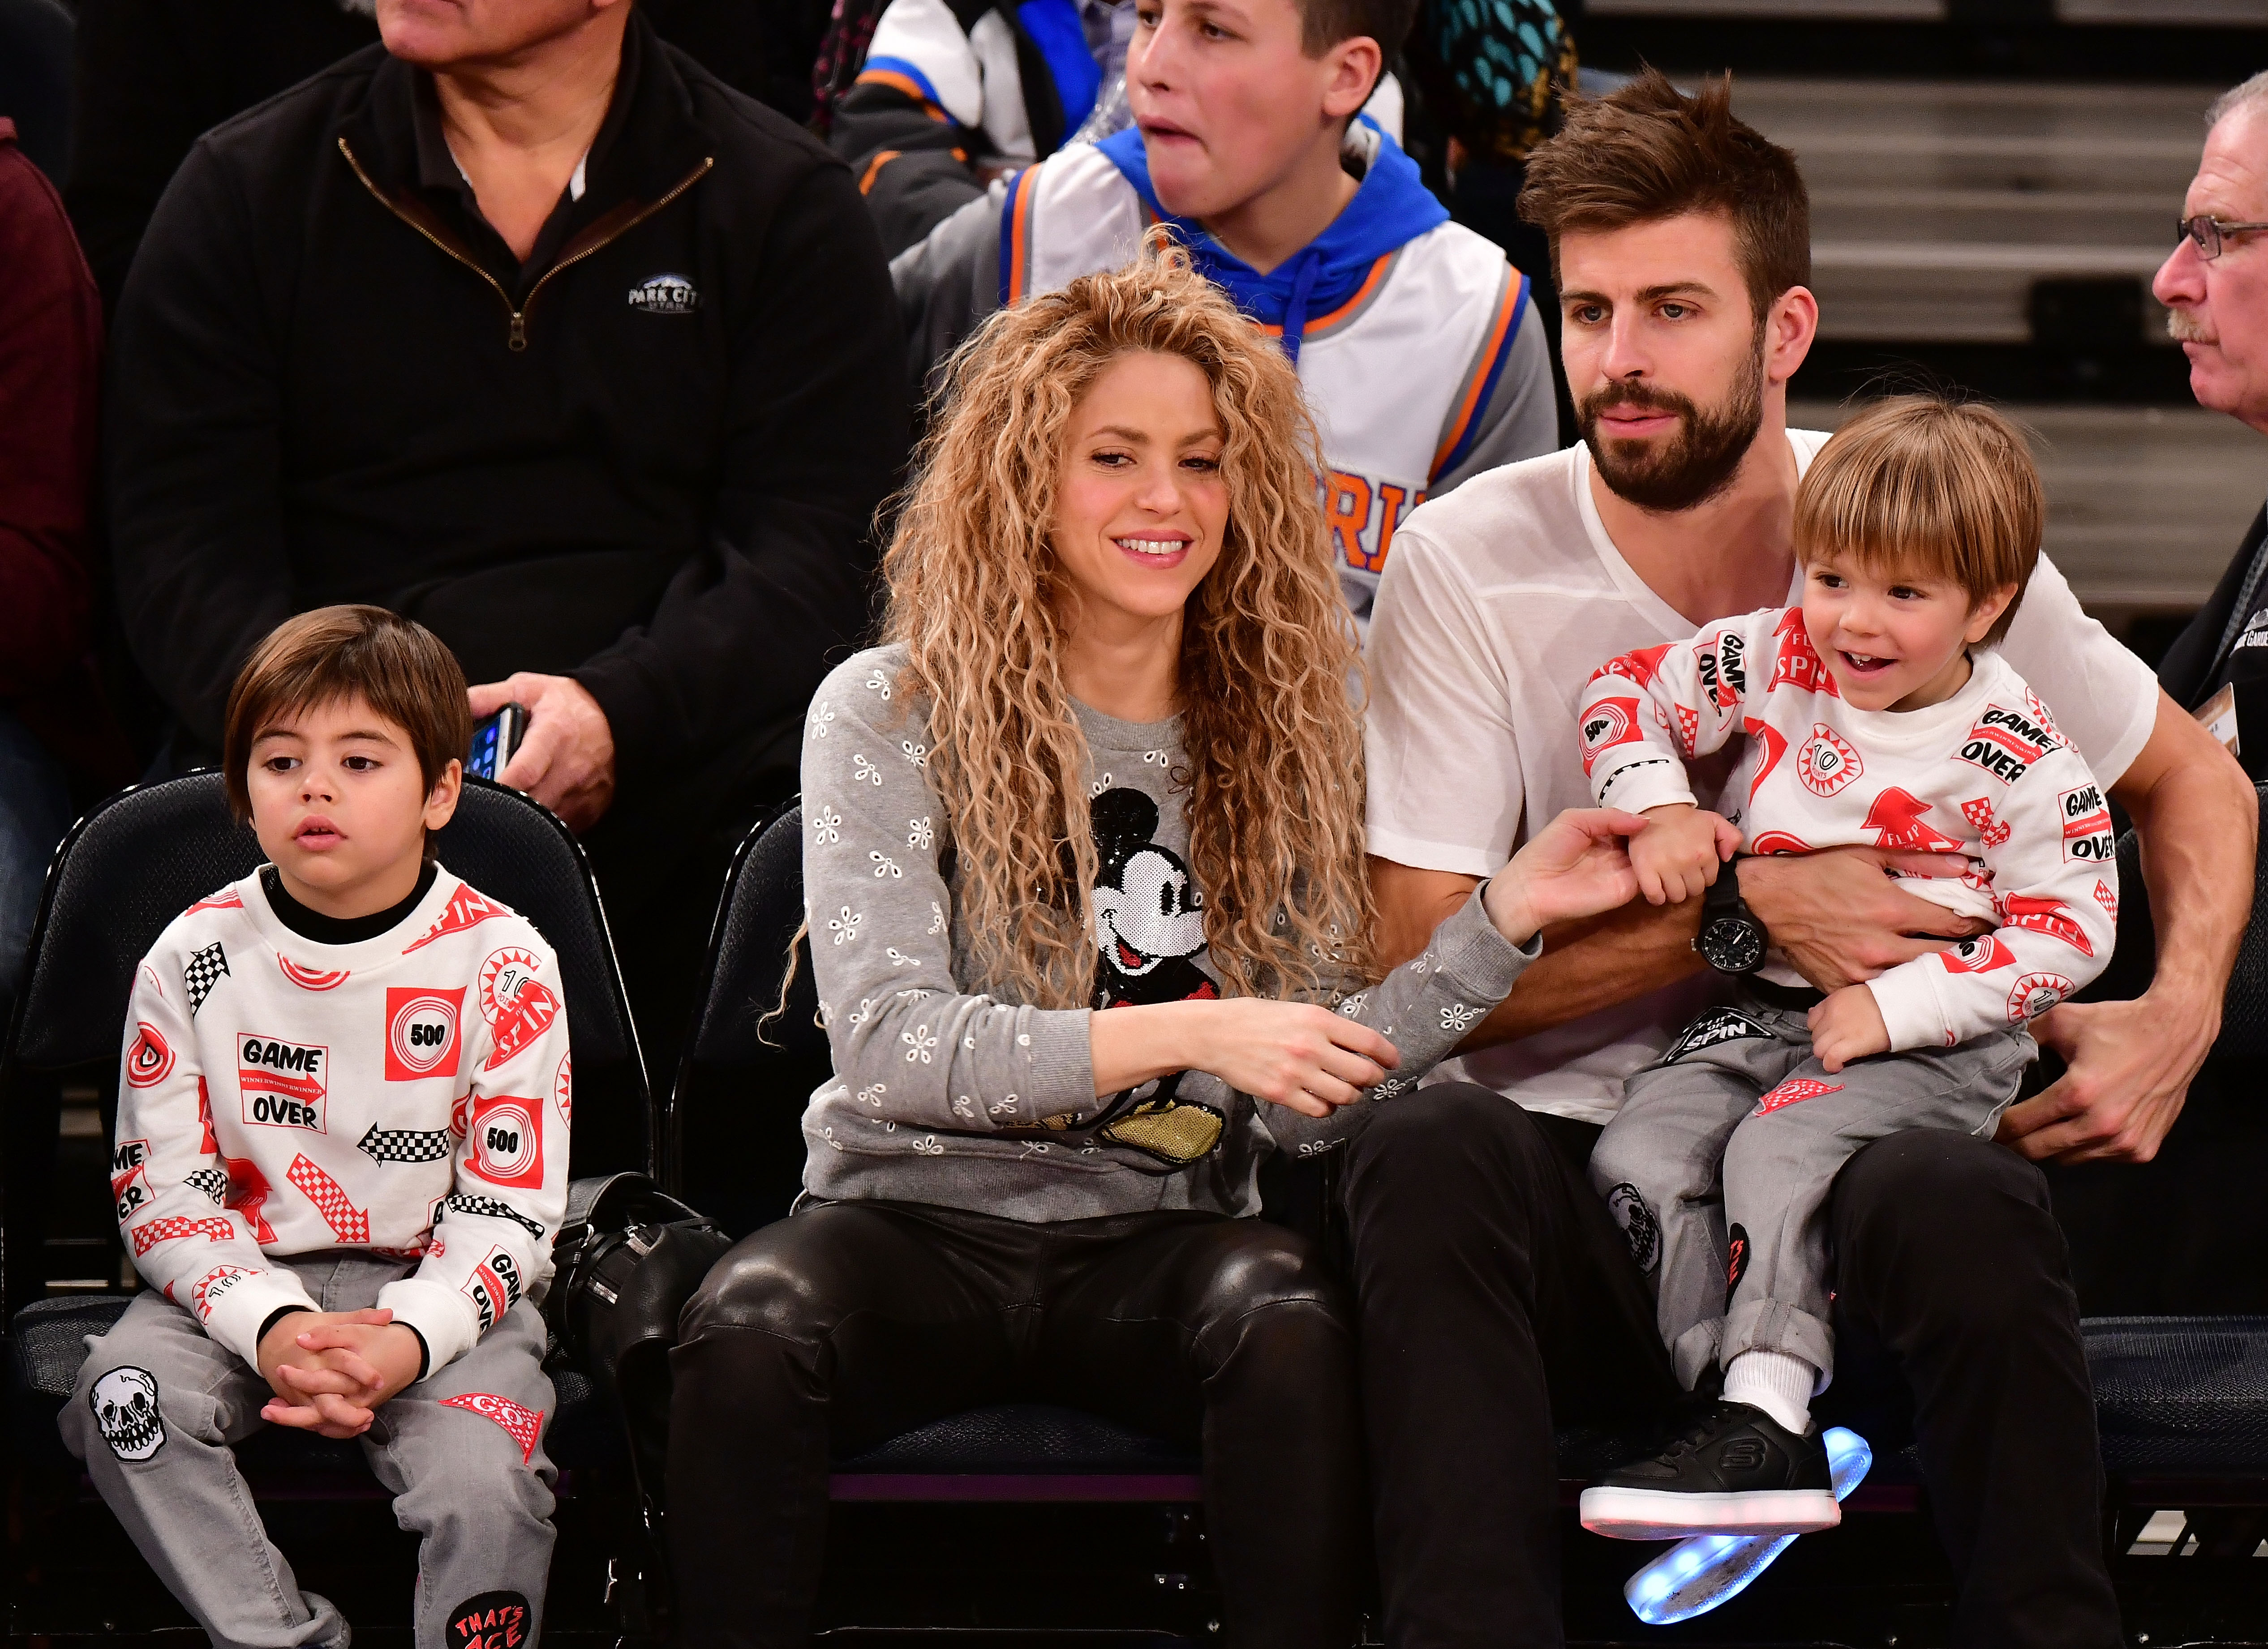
(650, 465)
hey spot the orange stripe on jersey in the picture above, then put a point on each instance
(866, 182)
(1470, 410)
(1316, 324)
(1020, 237)
(905, 83)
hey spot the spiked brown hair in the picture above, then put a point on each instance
(1646, 151)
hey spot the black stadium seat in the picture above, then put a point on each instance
(125, 871)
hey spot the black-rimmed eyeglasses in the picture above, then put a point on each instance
(2208, 233)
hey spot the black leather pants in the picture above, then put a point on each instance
(851, 1321)
(1496, 1295)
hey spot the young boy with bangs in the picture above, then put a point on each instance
(1423, 361)
(340, 1161)
(1876, 713)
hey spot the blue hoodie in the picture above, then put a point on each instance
(1390, 210)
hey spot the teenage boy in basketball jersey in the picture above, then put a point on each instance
(341, 1158)
(1423, 361)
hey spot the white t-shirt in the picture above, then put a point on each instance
(1501, 600)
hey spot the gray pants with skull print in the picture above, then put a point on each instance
(159, 1407)
(1720, 1163)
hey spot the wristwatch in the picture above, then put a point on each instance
(1731, 940)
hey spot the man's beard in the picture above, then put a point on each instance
(1697, 463)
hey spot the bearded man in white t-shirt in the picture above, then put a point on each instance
(1498, 1292)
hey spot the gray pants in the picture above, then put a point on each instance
(1718, 1166)
(159, 1406)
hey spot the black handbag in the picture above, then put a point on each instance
(628, 1257)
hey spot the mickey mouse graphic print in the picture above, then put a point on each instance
(1149, 920)
(948, 1089)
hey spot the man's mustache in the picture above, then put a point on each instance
(2184, 327)
(1636, 398)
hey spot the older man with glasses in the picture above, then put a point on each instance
(2215, 291)
(2206, 1232)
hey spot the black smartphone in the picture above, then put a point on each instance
(494, 741)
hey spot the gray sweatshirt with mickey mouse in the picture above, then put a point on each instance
(950, 1090)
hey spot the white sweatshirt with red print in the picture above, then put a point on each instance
(406, 1094)
(1984, 773)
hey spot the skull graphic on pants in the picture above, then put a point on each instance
(126, 1407)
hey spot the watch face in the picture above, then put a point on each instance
(1733, 944)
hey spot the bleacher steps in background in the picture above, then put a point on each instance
(1936, 207)
(2146, 504)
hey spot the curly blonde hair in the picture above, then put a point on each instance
(1269, 655)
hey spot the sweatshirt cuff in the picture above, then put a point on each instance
(632, 700)
(1649, 781)
(1483, 963)
(442, 1318)
(1062, 1060)
(241, 1312)
(1910, 1008)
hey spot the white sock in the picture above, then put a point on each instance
(1775, 1382)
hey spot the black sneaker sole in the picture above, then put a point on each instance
(1666, 1514)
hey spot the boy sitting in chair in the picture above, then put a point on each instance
(341, 1158)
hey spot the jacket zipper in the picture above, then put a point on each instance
(516, 337)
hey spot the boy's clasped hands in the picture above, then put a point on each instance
(1677, 857)
(331, 1370)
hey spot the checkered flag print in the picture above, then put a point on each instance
(404, 1145)
(150, 1233)
(203, 970)
(348, 1222)
(210, 1181)
(495, 1210)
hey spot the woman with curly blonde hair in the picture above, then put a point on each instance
(1084, 875)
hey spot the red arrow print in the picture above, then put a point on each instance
(1775, 745)
(247, 1192)
(1638, 666)
(349, 1223)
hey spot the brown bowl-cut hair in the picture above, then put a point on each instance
(396, 666)
(1646, 153)
(1932, 488)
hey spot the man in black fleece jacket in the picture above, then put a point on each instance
(617, 443)
(153, 74)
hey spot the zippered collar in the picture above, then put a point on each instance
(654, 152)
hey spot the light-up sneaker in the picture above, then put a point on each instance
(1735, 1471)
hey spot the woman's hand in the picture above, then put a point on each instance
(1575, 865)
(1293, 1054)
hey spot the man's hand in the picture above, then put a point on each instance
(2130, 1069)
(1847, 1026)
(1838, 918)
(567, 760)
(2131, 1062)
(1676, 857)
(330, 1370)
